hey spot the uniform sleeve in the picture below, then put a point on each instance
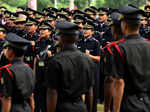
(52, 75)
(7, 83)
(98, 49)
(114, 65)
(92, 79)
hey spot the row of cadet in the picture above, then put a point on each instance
(39, 28)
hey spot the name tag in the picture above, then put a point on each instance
(28, 58)
(41, 63)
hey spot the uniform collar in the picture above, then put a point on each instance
(16, 60)
(133, 36)
(70, 47)
(88, 38)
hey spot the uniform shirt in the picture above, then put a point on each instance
(133, 67)
(145, 31)
(18, 86)
(103, 26)
(11, 29)
(42, 43)
(90, 44)
(20, 32)
(32, 36)
(1, 45)
(30, 52)
(3, 60)
(70, 72)
(40, 49)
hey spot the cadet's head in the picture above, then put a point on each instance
(15, 45)
(90, 12)
(88, 28)
(32, 25)
(147, 10)
(45, 30)
(20, 23)
(67, 31)
(116, 25)
(144, 20)
(51, 20)
(131, 19)
(79, 20)
(102, 14)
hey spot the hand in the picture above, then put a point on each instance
(4, 52)
(102, 33)
(32, 43)
(49, 53)
(87, 52)
(108, 42)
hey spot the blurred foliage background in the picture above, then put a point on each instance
(80, 4)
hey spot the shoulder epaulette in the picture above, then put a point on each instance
(8, 70)
(27, 64)
(115, 45)
(146, 39)
(95, 39)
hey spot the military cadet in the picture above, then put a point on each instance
(95, 9)
(61, 17)
(20, 26)
(32, 26)
(147, 10)
(3, 60)
(91, 47)
(53, 10)
(92, 13)
(66, 12)
(30, 12)
(39, 16)
(2, 10)
(70, 74)
(78, 12)
(116, 32)
(79, 20)
(117, 35)
(10, 21)
(17, 79)
(144, 28)
(51, 20)
(3, 31)
(32, 36)
(103, 25)
(125, 66)
(145, 24)
(116, 25)
(43, 51)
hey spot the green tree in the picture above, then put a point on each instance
(118, 3)
(15, 3)
(100, 3)
(81, 4)
(44, 4)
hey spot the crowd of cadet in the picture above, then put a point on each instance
(97, 28)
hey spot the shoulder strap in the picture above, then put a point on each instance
(115, 45)
(108, 48)
(8, 70)
(146, 39)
